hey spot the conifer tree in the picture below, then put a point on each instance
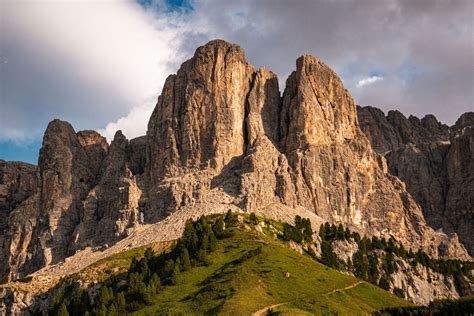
(253, 219)
(212, 241)
(340, 232)
(184, 259)
(347, 233)
(63, 310)
(120, 302)
(218, 228)
(190, 237)
(328, 257)
(322, 232)
(307, 230)
(230, 219)
(112, 310)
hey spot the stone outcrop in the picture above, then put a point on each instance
(420, 284)
(18, 184)
(220, 137)
(434, 160)
(81, 194)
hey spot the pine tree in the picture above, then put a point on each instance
(174, 275)
(134, 281)
(307, 230)
(156, 283)
(149, 254)
(218, 228)
(389, 265)
(190, 237)
(120, 302)
(298, 222)
(373, 273)
(361, 264)
(63, 310)
(106, 295)
(327, 231)
(184, 259)
(102, 311)
(384, 284)
(230, 219)
(340, 232)
(253, 219)
(81, 302)
(328, 257)
(212, 241)
(112, 310)
(347, 233)
(322, 232)
(287, 232)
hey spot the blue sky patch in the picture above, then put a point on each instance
(20, 152)
(166, 5)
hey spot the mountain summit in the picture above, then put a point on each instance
(220, 137)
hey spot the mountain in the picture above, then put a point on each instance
(435, 161)
(220, 137)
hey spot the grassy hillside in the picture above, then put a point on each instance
(245, 270)
(247, 273)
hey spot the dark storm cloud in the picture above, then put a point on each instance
(94, 63)
(423, 49)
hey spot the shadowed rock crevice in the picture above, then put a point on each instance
(222, 137)
(434, 160)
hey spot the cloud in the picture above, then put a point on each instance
(134, 124)
(86, 62)
(368, 80)
(423, 48)
(101, 65)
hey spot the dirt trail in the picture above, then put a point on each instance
(345, 288)
(262, 311)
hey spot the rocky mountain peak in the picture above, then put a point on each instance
(466, 119)
(198, 121)
(317, 109)
(222, 137)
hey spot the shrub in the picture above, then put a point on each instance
(399, 292)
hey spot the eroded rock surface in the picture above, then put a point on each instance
(221, 137)
(435, 161)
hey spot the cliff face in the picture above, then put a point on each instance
(81, 194)
(434, 160)
(220, 137)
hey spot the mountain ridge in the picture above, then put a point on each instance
(221, 137)
(435, 162)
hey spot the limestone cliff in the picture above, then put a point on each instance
(434, 160)
(221, 136)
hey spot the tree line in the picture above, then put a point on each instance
(147, 276)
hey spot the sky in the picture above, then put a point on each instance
(101, 64)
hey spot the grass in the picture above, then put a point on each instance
(115, 264)
(247, 273)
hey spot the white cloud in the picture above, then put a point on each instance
(86, 62)
(368, 81)
(101, 64)
(132, 125)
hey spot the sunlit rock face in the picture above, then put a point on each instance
(221, 136)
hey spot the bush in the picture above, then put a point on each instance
(253, 219)
(399, 292)
(384, 284)
(230, 219)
